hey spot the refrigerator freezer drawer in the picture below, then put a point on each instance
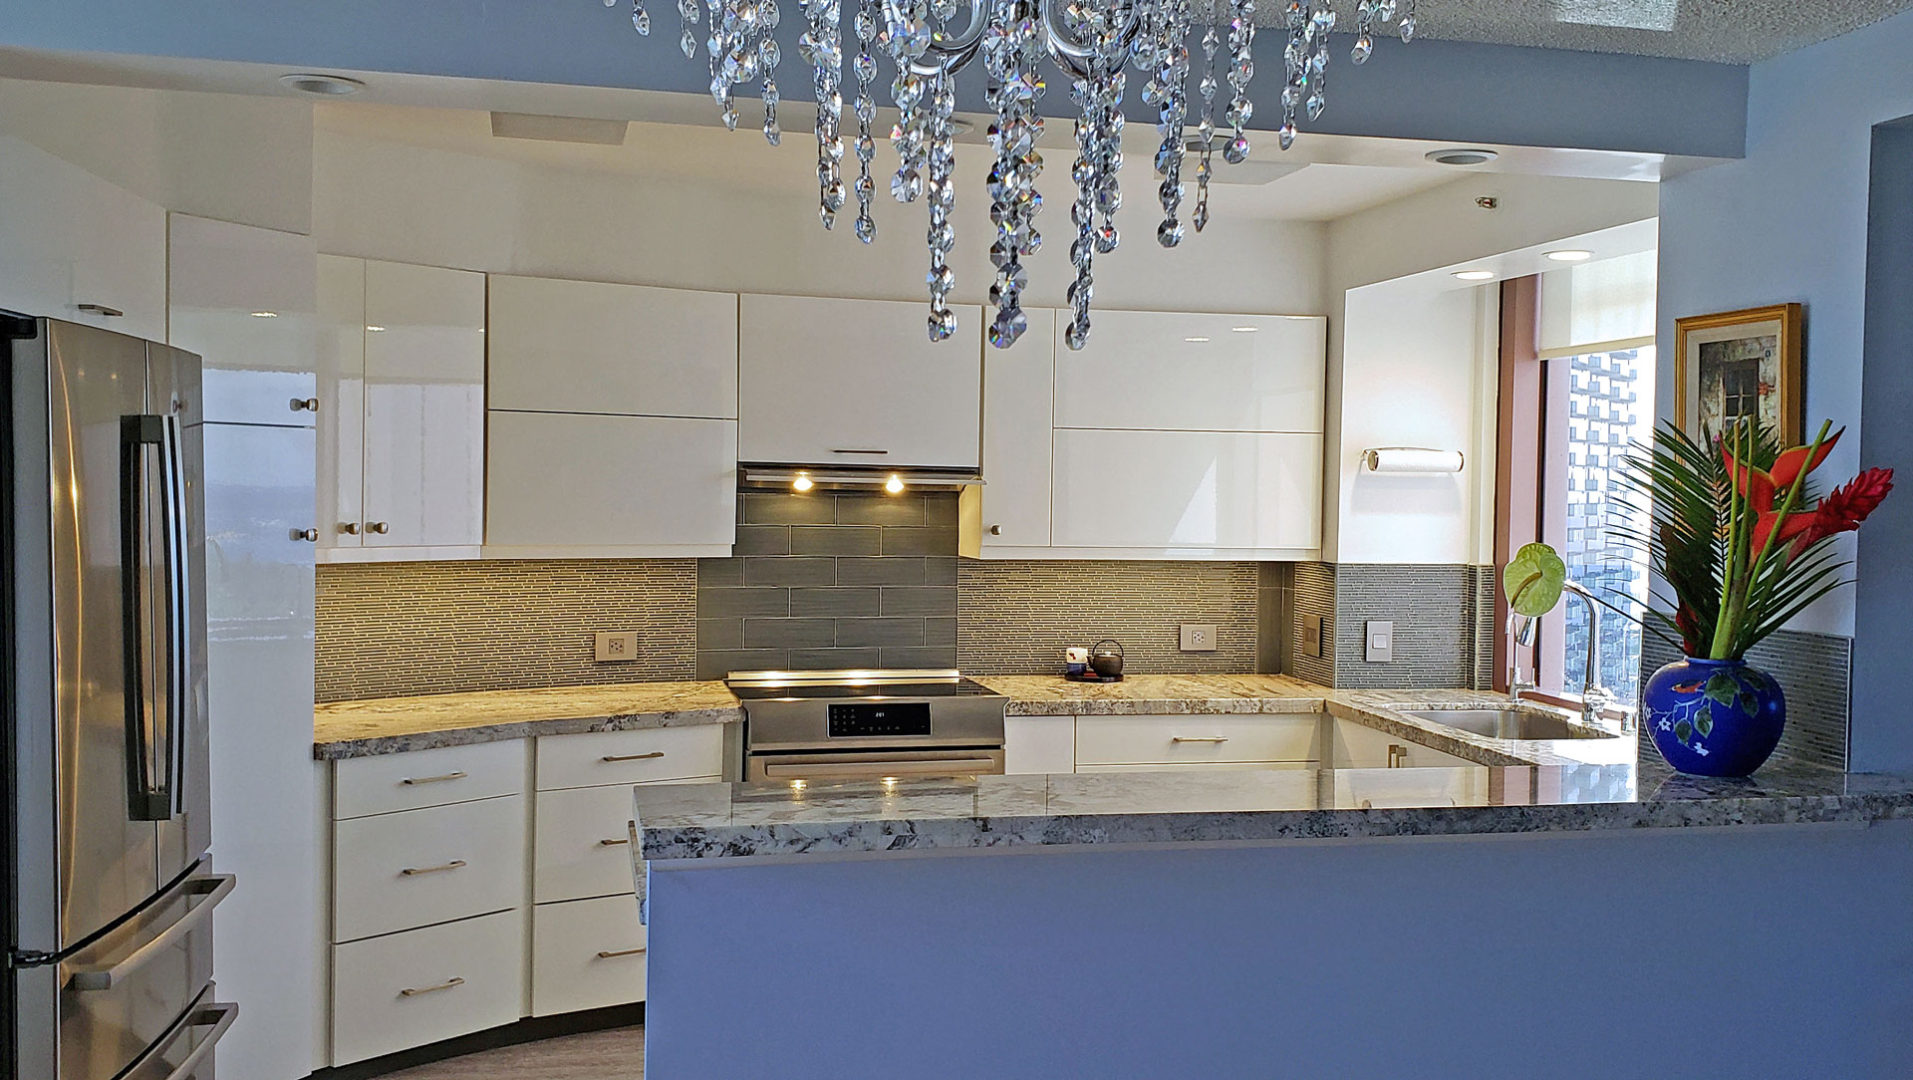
(186, 1051)
(409, 989)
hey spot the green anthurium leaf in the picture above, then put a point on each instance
(1722, 688)
(1533, 580)
(1682, 731)
(1704, 721)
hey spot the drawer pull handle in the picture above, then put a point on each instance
(609, 758)
(414, 871)
(610, 954)
(411, 781)
(614, 841)
(414, 991)
(1201, 738)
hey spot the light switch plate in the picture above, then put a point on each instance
(1198, 637)
(1311, 635)
(1379, 641)
(617, 646)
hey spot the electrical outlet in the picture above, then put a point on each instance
(1379, 638)
(1198, 637)
(1311, 635)
(617, 646)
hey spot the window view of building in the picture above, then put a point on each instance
(1610, 407)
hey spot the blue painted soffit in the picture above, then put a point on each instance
(1442, 90)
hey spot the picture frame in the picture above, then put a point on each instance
(1741, 363)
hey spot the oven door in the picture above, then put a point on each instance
(876, 764)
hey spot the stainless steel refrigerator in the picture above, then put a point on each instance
(110, 883)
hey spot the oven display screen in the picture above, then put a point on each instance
(868, 719)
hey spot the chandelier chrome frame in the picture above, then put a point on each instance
(1093, 42)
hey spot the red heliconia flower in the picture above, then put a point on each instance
(1762, 486)
(1842, 511)
(1689, 626)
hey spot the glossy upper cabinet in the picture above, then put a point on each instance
(593, 347)
(246, 300)
(857, 382)
(1152, 370)
(1011, 509)
(419, 365)
(1189, 494)
(75, 247)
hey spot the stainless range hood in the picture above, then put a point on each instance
(762, 477)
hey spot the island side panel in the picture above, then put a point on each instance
(1757, 952)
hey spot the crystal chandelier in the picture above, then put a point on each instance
(1092, 42)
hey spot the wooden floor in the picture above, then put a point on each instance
(598, 1055)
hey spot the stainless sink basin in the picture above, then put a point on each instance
(1511, 724)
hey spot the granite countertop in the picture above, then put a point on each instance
(349, 729)
(733, 822)
(1052, 695)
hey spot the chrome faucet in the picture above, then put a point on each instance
(1596, 699)
(1520, 635)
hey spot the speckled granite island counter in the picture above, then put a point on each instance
(349, 729)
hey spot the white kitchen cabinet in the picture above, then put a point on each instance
(419, 867)
(384, 783)
(75, 247)
(1358, 746)
(246, 300)
(1198, 740)
(1011, 509)
(1149, 370)
(419, 365)
(582, 841)
(340, 388)
(586, 954)
(594, 347)
(1188, 494)
(1039, 744)
(857, 382)
(643, 756)
(610, 486)
(404, 990)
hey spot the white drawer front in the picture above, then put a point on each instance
(573, 858)
(1197, 766)
(630, 757)
(398, 871)
(586, 954)
(1173, 740)
(464, 977)
(388, 782)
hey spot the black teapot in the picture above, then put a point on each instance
(1106, 658)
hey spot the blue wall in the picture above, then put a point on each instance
(1732, 954)
(1789, 223)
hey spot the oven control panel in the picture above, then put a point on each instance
(874, 719)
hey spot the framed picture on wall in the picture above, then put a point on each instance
(1740, 363)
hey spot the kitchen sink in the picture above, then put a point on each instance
(1511, 724)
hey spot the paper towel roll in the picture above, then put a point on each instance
(1408, 459)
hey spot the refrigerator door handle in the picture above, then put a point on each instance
(214, 888)
(150, 768)
(178, 616)
(217, 1015)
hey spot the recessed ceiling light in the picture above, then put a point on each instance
(321, 85)
(1570, 256)
(265, 314)
(1195, 340)
(1462, 156)
(1475, 275)
(376, 329)
(1243, 329)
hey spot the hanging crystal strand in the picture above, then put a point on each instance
(688, 14)
(1296, 61)
(723, 47)
(768, 56)
(640, 17)
(1407, 24)
(1364, 33)
(1321, 25)
(941, 192)
(1172, 92)
(1109, 159)
(822, 48)
(1206, 126)
(1012, 49)
(1241, 69)
(866, 108)
(1098, 94)
(907, 36)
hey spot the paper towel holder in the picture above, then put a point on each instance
(1413, 459)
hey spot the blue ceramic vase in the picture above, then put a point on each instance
(1714, 717)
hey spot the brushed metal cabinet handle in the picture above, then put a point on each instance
(996, 530)
(349, 528)
(379, 527)
(614, 841)
(310, 404)
(414, 991)
(854, 450)
(1201, 738)
(412, 781)
(310, 536)
(653, 755)
(101, 309)
(607, 954)
(415, 871)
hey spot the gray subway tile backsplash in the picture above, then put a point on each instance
(926, 601)
(890, 633)
(790, 570)
(736, 603)
(905, 540)
(878, 571)
(789, 633)
(836, 540)
(843, 602)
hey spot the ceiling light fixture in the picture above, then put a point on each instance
(1462, 156)
(802, 482)
(1195, 340)
(265, 314)
(1475, 275)
(321, 85)
(1570, 256)
(376, 329)
(1089, 43)
(1243, 329)
(894, 485)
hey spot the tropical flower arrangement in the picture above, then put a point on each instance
(1739, 532)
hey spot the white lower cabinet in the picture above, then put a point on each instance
(586, 954)
(1358, 746)
(583, 842)
(1196, 740)
(404, 990)
(1039, 744)
(417, 867)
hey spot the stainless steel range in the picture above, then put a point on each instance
(868, 725)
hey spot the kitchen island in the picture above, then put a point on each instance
(1567, 920)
